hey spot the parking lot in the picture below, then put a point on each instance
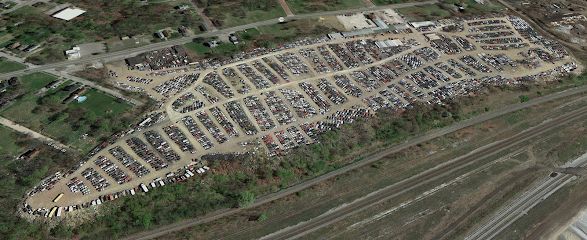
(270, 101)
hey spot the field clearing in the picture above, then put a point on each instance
(309, 6)
(387, 2)
(8, 146)
(238, 12)
(424, 12)
(9, 66)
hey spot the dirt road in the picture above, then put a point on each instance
(22, 129)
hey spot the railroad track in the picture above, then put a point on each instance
(516, 209)
(430, 176)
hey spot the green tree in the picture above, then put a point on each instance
(524, 98)
(262, 217)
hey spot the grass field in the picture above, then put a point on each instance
(8, 146)
(424, 12)
(231, 13)
(81, 125)
(9, 66)
(308, 6)
(387, 2)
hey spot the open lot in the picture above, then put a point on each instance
(8, 147)
(425, 12)
(565, 19)
(301, 6)
(238, 12)
(9, 66)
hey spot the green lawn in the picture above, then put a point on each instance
(424, 12)
(229, 13)
(81, 125)
(308, 6)
(230, 20)
(35, 81)
(102, 104)
(387, 2)
(10, 66)
(8, 147)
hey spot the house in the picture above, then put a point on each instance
(233, 38)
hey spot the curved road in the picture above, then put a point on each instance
(369, 159)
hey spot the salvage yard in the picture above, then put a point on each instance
(272, 101)
(407, 222)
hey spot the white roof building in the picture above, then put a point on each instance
(69, 13)
(422, 24)
(73, 53)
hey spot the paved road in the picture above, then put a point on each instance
(22, 129)
(113, 92)
(474, 157)
(369, 159)
(525, 202)
(135, 51)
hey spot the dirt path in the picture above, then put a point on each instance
(369, 3)
(285, 7)
(19, 128)
(207, 22)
